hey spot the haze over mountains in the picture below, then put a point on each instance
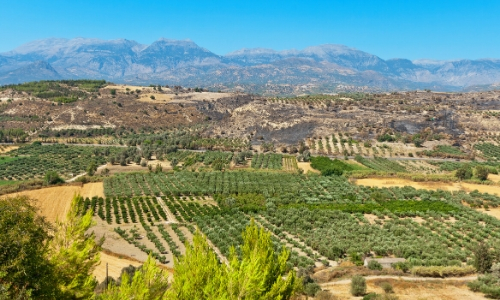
(182, 62)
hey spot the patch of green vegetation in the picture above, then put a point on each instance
(13, 135)
(8, 182)
(7, 159)
(445, 151)
(60, 91)
(381, 164)
(34, 160)
(455, 165)
(489, 150)
(332, 167)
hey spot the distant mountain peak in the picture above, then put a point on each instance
(39, 70)
(184, 62)
(252, 51)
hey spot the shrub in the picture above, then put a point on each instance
(374, 265)
(482, 258)
(482, 173)
(495, 270)
(358, 285)
(465, 172)
(401, 266)
(386, 138)
(487, 284)
(371, 296)
(418, 142)
(375, 296)
(356, 258)
(311, 288)
(325, 295)
(51, 177)
(387, 287)
(442, 271)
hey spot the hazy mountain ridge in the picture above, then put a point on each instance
(184, 62)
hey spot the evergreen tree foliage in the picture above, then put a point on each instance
(74, 253)
(51, 177)
(24, 269)
(258, 273)
(482, 258)
(482, 173)
(198, 274)
(465, 172)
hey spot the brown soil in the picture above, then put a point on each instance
(371, 218)
(306, 166)
(92, 189)
(390, 182)
(115, 265)
(447, 186)
(494, 212)
(483, 188)
(5, 149)
(409, 290)
(180, 98)
(494, 177)
(54, 202)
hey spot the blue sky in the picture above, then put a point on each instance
(438, 29)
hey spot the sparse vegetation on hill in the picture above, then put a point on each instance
(58, 91)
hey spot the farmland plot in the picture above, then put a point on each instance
(424, 226)
(33, 161)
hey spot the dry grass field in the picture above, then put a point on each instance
(5, 149)
(447, 186)
(390, 182)
(411, 290)
(494, 212)
(115, 264)
(491, 189)
(306, 166)
(54, 202)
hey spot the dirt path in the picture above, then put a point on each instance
(170, 216)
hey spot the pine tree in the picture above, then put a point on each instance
(259, 273)
(74, 254)
(198, 274)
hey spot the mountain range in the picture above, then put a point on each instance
(326, 68)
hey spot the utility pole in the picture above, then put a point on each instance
(106, 277)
